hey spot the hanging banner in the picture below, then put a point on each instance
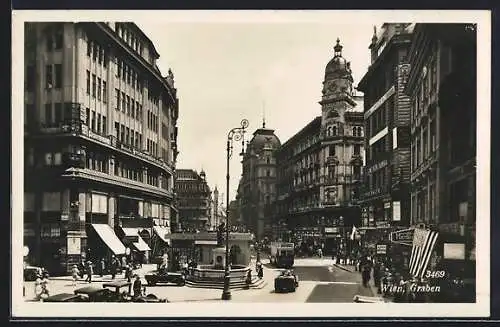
(404, 236)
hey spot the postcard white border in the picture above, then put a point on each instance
(270, 310)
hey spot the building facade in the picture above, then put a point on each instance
(257, 190)
(194, 200)
(442, 87)
(385, 196)
(100, 139)
(320, 167)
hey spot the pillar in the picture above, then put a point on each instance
(111, 210)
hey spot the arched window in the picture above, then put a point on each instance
(354, 131)
(329, 131)
(360, 131)
(334, 130)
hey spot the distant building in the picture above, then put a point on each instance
(385, 196)
(100, 140)
(319, 168)
(194, 198)
(257, 190)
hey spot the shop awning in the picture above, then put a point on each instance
(205, 242)
(109, 237)
(140, 245)
(162, 232)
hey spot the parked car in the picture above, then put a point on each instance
(124, 296)
(287, 281)
(95, 294)
(165, 277)
(31, 272)
(64, 297)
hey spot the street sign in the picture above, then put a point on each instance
(404, 236)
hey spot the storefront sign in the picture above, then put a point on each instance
(331, 229)
(454, 251)
(404, 237)
(382, 223)
(381, 248)
(387, 205)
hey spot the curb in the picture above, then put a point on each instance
(344, 268)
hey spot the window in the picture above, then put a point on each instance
(117, 99)
(124, 72)
(128, 75)
(268, 160)
(101, 55)
(123, 102)
(48, 114)
(132, 108)
(92, 123)
(58, 75)
(104, 92)
(334, 130)
(48, 77)
(119, 68)
(98, 123)
(89, 48)
(58, 113)
(122, 133)
(137, 140)
(138, 110)
(87, 118)
(117, 129)
(132, 139)
(331, 150)
(128, 105)
(105, 59)
(99, 88)
(104, 126)
(354, 131)
(88, 82)
(268, 173)
(58, 38)
(95, 51)
(357, 149)
(94, 85)
(30, 78)
(127, 136)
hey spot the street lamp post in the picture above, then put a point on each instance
(236, 134)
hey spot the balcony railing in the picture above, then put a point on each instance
(109, 140)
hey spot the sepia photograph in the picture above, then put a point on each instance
(251, 163)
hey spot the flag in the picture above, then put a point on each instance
(353, 233)
(422, 246)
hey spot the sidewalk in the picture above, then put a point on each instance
(106, 278)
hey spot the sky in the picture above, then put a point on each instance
(228, 71)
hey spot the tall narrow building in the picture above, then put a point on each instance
(258, 182)
(319, 168)
(100, 140)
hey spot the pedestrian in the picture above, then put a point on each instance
(114, 267)
(377, 276)
(90, 271)
(137, 286)
(124, 262)
(38, 285)
(103, 267)
(81, 267)
(75, 273)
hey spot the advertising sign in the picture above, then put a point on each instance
(404, 236)
(454, 251)
(381, 248)
(396, 211)
(74, 245)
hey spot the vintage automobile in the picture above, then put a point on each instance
(287, 281)
(31, 272)
(125, 296)
(95, 294)
(164, 277)
(64, 297)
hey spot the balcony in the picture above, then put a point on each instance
(116, 181)
(109, 141)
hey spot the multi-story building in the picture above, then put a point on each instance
(100, 139)
(194, 200)
(442, 87)
(258, 182)
(319, 168)
(385, 196)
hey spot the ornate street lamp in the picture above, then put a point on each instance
(235, 134)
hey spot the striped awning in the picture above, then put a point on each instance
(140, 245)
(423, 244)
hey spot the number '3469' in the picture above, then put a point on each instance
(435, 274)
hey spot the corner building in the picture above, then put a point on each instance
(257, 187)
(319, 168)
(100, 140)
(385, 196)
(194, 200)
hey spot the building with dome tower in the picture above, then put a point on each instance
(257, 188)
(319, 168)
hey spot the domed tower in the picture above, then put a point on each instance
(258, 181)
(341, 134)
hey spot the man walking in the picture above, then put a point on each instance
(90, 271)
